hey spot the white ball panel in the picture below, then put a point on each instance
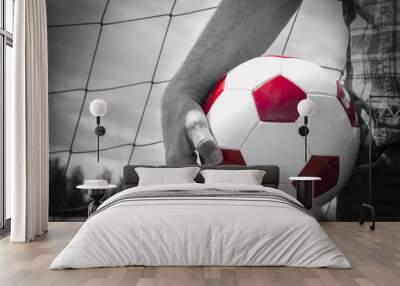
(333, 74)
(232, 117)
(329, 126)
(254, 72)
(309, 76)
(276, 144)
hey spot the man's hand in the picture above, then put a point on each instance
(238, 31)
(187, 130)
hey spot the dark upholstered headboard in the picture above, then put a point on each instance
(271, 177)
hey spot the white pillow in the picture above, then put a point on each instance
(163, 176)
(248, 177)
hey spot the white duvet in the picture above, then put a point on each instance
(200, 231)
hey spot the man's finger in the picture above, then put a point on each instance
(199, 134)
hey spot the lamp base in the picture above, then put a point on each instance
(100, 130)
(303, 130)
(362, 217)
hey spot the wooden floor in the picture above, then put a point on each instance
(375, 257)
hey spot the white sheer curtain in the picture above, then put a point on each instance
(27, 122)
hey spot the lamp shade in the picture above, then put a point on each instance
(98, 107)
(305, 107)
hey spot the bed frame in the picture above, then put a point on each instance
(271, 177)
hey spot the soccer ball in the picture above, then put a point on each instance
(252, 112)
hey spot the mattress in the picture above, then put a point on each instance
(201, 225)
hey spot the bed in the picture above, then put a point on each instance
(201, 224)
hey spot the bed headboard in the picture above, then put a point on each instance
(271, 177)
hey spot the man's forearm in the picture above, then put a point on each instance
(238, 31)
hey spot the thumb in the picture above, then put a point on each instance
(199, 134)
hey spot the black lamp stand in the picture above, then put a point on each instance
(100, 131)
(369, 206)
(303, 131)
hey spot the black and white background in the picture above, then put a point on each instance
(125, 52)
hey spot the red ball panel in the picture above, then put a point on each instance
(276, 100)
(232, 157)
(347, 105)
(214, 94)
(326, 167)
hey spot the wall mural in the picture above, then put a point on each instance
(127, 51)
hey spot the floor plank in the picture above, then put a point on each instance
(375, 257)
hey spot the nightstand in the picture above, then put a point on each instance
(96, 194)
(305, 189)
